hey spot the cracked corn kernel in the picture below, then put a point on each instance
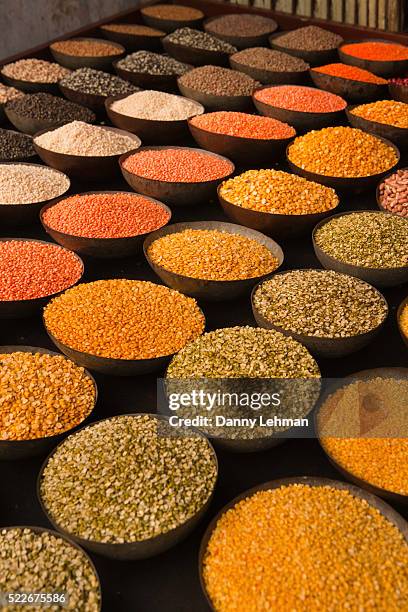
(44, 563)
(212, 255)
(320, 303)
(305, 548)
(276, 192)
(143, 478)
(389, 112)
(42, 395)
(124, 319)
(341, 152)
(367, 239)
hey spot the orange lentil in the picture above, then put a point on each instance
(377, 51)
(124, 319)
(31, 269)
(306, 548)
(243, 125)
(85, 48)
(177, 165)
(352, 73)
(298, 98)
(106, 215)
(389, 112)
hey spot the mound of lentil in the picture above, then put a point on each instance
(177, 165)
(43, 562)
(298, 98)
(367, 239)
(309, 38)
(212, 255)
(8, 93)
(218, 81)
(147, 62)
(106, 215)
(85, 48)
(342, 152)
(377, 51)
(30, 269)
(35, 71)
(269, 59)
(352, 73)
(243, 352)
(243, 125)
(135, 29)
(29, 183)
(196, 39)
(362, 427)
(150, 478)
(389, 112)
(329, 546)
(42, 395)
(49, 108)
(276, 192)
(157, 105)
(177, 12)
(393, 193)
(79, 138)
(244, 25)
(14, 146)
(404, 320)
(90, 81)
(320, 303)
(124, 319)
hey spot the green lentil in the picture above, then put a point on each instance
(320, 303)
(367, 239)
(141, 479)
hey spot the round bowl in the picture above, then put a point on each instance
(387, 511)
(98, 62)
(350, 89)
(193, 55)
(144, 80)
(314, 58)
(300, 120)
(401, 307)
(19, 309)
(95, 102)
(40, 530)
(398, 92)
(104, 248)
(246, 151)
(379, 277)
(18, 160)
(11, 450)
(17, 215)
(210, 290)
(151, 131)
(271, 77)
(325, 347)
(169, 25)
(216, 103)
(364, 375)
(142, 549)
(177, 194)
(29, 86)
(272, 224)
(380, 68)
(133, 42)
(397, 135)
(84, 167)
(355, 184)
(240, 42)
(377, 193)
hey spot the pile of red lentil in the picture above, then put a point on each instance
(299, 98)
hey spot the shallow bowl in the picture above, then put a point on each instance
(216, 103)
(350, 89)
(30, 86)
(98, 62)
(134, 42)
(239, 41)
(397, 135)
(169, 25)
(270, 77)
(314, 58)
(380, 68)
(377, 193)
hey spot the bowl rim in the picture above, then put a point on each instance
(30, 164)
(111, 99)
(207, 53)
(121, 49)
(298, 112)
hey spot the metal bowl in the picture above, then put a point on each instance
(269, 76)
(379, 277)
(381, 68)
(169, 25)
(398, 92)
(177, 194)
(350, 89)
(211, 290)
(387, 511)
(238, 41)
(30, 86)
(20, 309)
(314, 58)
(397, 135)
(104, 248)
(151, 131)
(134, 42)
(84, 167)
(325, 347)
(401, 307)
(301, 120)
(142, 549)
(99, 62)
(11, 450)
(16, 215)
(216, 103)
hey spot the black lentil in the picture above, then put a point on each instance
(49, 108)
(309, 38)
(14, 145)
(199, 40)
(148, 62)
(90, 81)
(219, 81)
